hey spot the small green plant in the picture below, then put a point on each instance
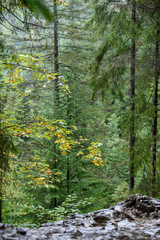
(121, 192)
(34, 215)
(69, 206)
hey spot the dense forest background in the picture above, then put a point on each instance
(79, 106)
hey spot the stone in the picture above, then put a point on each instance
(2, 226)
(21, 230)
(136, 218)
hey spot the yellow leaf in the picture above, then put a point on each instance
(58, 135)
(40, 182)
(80, 153)
(139, 43)
(20, 134)
(75, 128)
(64, 153)
(95, 163)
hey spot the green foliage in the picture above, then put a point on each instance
(39, 7)
(120, 193)
(33, 215)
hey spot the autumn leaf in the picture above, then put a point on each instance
(11, 80)
(58, 135)
(80, 153)
(95, 163)
(75, 128)
(49, 171)
(20, 134)
(28, 131)
(139, 43)
(64, 153)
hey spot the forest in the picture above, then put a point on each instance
(79, 106)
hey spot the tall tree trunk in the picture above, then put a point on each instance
(132, 103)
(56, 51)
(1, 174)
(1, 179)
(68, 160)
(56, 84)
(155, 104)
(68, 176)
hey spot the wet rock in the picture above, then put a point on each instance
(21, 230)
(101, 217)
(2, 226)
(136, 218)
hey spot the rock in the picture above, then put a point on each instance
(136, 218)
(102, 217)
(21, 230)
(2, 226)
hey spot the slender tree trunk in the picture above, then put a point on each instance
(56, 85)
(56, 52)
(68, 161)
(1, 176)
(1, 179)
(155, 104)
(132, 103)
(68, 177)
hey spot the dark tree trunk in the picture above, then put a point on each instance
(56, 85)
(1, 178)
(56, 52)
(155, 104)
(132, 103)
(68, 177)
(68, 161)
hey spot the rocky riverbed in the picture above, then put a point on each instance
(138, 217)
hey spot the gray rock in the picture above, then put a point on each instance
(21, 230)
(136, 218)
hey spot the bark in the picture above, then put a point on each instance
(1, 179)
(132, 103)
(56, 86)
(68, 177)
(56, 52)
(1, 176)
(155, 104)
(68, 161)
